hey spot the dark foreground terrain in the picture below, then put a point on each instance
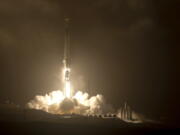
(30, 122)
(82, 127)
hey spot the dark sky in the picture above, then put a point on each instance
(123, 49)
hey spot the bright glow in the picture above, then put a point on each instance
(67, 89)
(65, 70)
(54, 97)
(57, 103)
(67, 83)
(82, 98)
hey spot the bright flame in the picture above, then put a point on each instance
(67, 89)
(58, 102)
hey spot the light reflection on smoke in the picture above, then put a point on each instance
(55, 102)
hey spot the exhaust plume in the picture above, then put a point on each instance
(57, 103)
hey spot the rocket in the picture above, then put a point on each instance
(66, 60)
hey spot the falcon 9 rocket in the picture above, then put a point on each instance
(66, 60)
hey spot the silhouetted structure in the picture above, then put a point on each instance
(125, 112)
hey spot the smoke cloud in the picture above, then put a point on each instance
(56, 103)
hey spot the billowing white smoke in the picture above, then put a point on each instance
(55, 102)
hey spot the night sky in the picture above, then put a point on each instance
(126, 50)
